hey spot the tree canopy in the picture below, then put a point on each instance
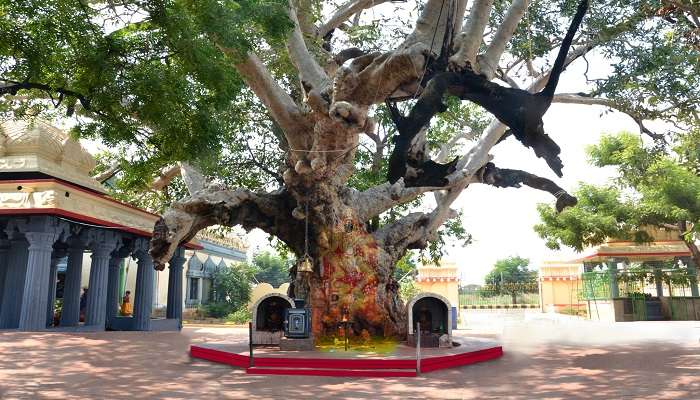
(231, 287)
(656, 187)
(271, 268)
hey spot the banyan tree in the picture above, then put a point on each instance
(346, 131)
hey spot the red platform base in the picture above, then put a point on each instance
(304, 363)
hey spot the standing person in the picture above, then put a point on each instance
(83, 304)
(126, 309)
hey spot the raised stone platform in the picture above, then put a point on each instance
(399, 363)
(292, 344)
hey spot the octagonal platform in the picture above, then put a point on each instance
(399, 363)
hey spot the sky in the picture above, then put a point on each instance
(501, 220)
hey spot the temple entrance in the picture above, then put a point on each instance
(268, 318)
(270, 314)
(429, 313)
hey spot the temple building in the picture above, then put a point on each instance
(60, 233)
(622, 280)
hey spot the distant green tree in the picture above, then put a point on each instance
(656, 186)
(511, 276)
(271, 268)
(231, 290)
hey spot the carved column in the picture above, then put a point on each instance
(102, 246)
(35, 296)
(14, 281)
(56, 257)
(113, 287)
(4, 249)
(70, 314)
(143, 300)
(174, 309)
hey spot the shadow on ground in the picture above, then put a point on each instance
(139, 365)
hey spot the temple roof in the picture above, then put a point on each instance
(655, 251)
(45, 172)
(39, 147)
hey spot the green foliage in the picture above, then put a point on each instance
(240, 316)
(408, 290)
(231, 290)
(655, 187)
(144, 77)
(271, 268)
(216, 309)
(406, 268)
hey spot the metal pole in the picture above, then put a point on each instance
(250, 345)
(417, 348)
(347, 333)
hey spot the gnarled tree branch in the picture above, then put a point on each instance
(215, 205)
(344, 12)
(504, 177)
(310, 72)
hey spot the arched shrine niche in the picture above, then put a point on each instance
(268, 317)
(431, 312)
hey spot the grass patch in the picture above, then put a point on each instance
(375, 344)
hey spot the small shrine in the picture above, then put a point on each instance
(443, 280)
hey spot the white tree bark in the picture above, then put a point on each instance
(310, 72)
(488, 62)
(468, 41)
(166, 176)
(280, 105)
(194, 180)
(431, 25)
(381, 198)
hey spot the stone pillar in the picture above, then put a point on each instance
(113, 287)
(56, 257)
(96, 307)
(35, 296)
(174, 309)
(70, 314)
(4, 249)
(612, 273)
(143, 299)
(14, 281)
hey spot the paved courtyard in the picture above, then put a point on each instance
(544, 358)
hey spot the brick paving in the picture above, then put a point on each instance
(543, 360)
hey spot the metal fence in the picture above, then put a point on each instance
(500, 294)
(640, 289)
(636, 283)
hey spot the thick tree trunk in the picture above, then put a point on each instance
(354, 279)
(353, 273)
